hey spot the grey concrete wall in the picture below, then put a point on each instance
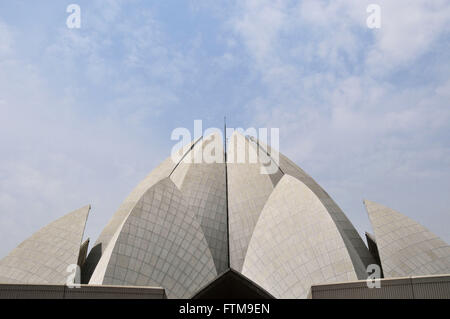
(162, 171)
(203, 188)
(296, 244)
(419, 287)
(406, 248)
(248, 191)
(160, 244)
(356, 247)
(22, 291)
(44, 257)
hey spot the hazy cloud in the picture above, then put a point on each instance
(85, 114)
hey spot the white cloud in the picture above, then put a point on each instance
(6, 41)
(80, 117)
(409, 29)
(365, 112)
(259, 25)
(330, 84)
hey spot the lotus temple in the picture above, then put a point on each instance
(229, 229)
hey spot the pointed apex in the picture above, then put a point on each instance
(372, 207)
(82, 213)
(367, 202)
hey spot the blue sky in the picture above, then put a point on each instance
(86, 113)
